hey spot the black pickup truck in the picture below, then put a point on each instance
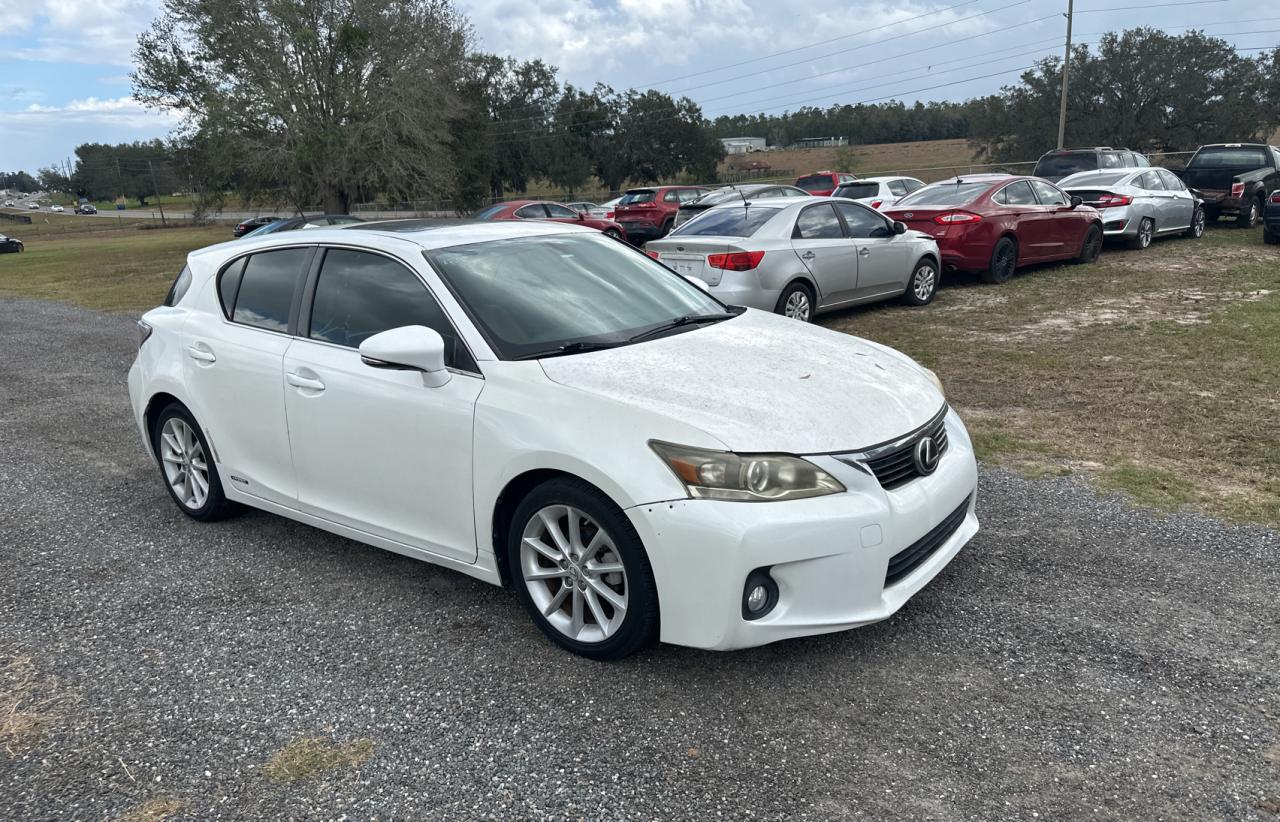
(1234, 178)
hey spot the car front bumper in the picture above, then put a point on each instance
(827, 555)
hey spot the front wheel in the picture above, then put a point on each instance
(1196, 230)
(581, 571)
(1004, 261)
(923, 284)
(1092, 245)
(189, 474)
(613, 234)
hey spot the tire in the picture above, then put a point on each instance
(796, 302)
(564, 597)
(1196, 230)
(1004, 261)
(666, 227)
(1146, 233)
(613, 234)
(1248, 217)
(923, 285)
(1092, 245)
(182, 456)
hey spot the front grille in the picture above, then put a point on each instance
(908, 559)
(897, 466)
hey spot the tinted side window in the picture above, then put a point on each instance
(530, 212)
(818, 223)
(1049, 195)
(360, 294)
(1170, 180)
(229, 285)
(898, 187)
(559, 211)
(179, 287)
(1018, 193)
(266, 288)
(912, 185)
(861, 222)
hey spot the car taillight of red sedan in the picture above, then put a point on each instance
(957, 218)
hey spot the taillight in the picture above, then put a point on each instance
(1275, 198)
(957, 218)
(1237, 189)
(876, 203)
(1112, 201)
(643, 205)
(609, 215)
(736, 261)
(653, 255)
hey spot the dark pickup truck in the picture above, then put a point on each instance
(1234, 178)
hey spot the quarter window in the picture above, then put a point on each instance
(360, 294)
(263, 296)
(177, 290)
(818, 223)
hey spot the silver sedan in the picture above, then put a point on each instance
(1138, 204)
(801, 258)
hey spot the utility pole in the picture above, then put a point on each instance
(1066, 64)
(155, 186)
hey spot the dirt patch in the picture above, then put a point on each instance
(310, 756)
(157, 809)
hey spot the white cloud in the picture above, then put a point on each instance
(115, 112)
(101, 32)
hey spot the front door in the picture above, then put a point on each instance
(883, 267)
(233, 366)
(376, 449)
(820, 242)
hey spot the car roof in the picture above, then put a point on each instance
(388, 234)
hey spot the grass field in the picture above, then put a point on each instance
(1156, 372)
(928, 160)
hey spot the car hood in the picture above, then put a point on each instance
(764, 383)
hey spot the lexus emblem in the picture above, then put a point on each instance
(909, 214)
(926, 456)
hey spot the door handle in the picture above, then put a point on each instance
(864, 252)
(808, 255)
(200, 354)
(299, 381)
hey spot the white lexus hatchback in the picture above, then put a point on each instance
(539, 406)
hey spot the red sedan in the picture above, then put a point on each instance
(995, 223)
(552, 212)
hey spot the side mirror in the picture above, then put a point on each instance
(1076, 202)
(899, 227)
(409, 348)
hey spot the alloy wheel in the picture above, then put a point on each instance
(1146, 232)
(1006, 260)
(185, 467)
(1197, 224)
(923, 282)
(574, 573)
(797, 306)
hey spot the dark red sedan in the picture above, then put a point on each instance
(996, 223)
(553, 212)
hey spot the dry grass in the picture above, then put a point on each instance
(156, 809)
(945, 157)
(1156, 373)
(29, 703)
(310, 756)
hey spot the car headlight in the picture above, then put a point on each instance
(936, 381)
(724, 475)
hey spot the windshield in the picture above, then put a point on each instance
(1060, 165)
(943, 194)
(531, 295)
(633, 197)
(857, 191)
(729, 221)
(1225, 157)
(814, 182)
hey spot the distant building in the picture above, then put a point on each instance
(742, 145)
(820, 142)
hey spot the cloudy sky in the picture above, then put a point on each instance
(64, 64)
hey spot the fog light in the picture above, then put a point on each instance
(759, 594)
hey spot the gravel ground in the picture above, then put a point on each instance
(1079, 659)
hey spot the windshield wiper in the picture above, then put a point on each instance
(569, 348)
(687, 319)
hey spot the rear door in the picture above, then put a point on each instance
(819, 240)
(1034, 223)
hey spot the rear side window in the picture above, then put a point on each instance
(818, 223)
(1018, 193)
(266, 286)
(898, 188)
(1151, 181)
(1049, 195)
(1170, 180)
(179, 287)
(360, 294)
(559, 211)
(740, 221)
(913, 185)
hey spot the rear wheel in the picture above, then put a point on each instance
(1248, 217)
(185, 464)
(796, 302)
(1004, 261)
(1196, 229)
(581, 571)
(1092, 245)
(666, 227)
(1146, 233)
(923, 284)
(613, 233)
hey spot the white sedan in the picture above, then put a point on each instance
(57, 208)
(540, 407)
(878, 192)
